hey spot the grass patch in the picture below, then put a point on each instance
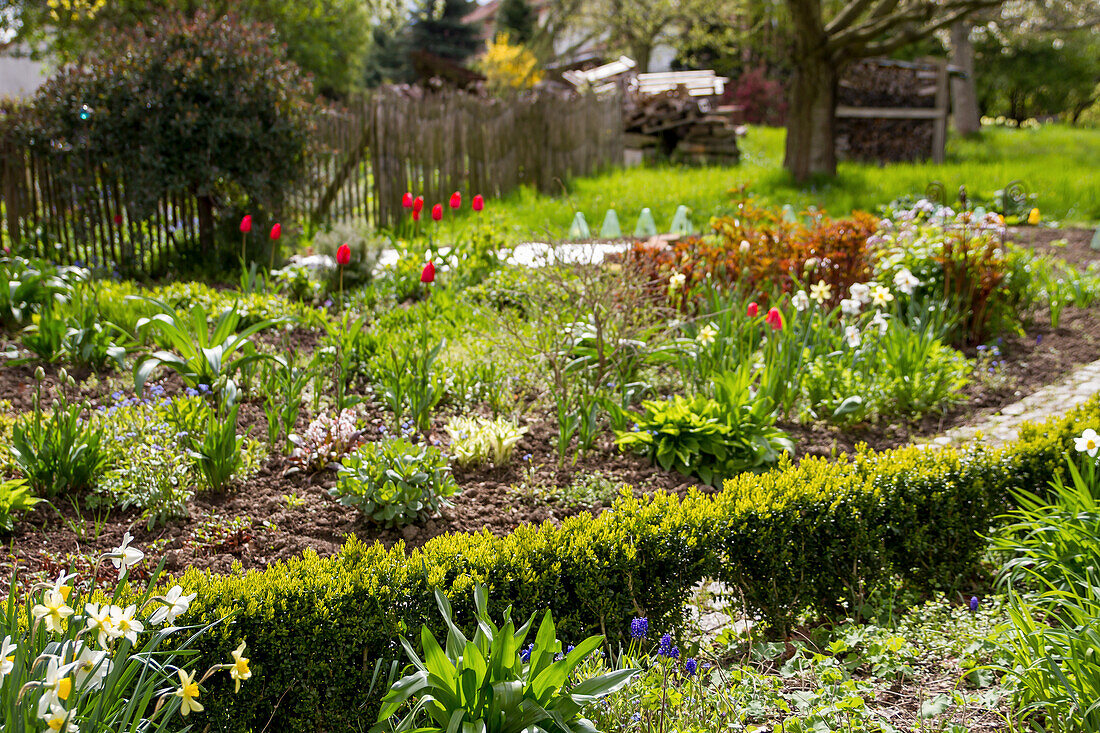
(1060, 164)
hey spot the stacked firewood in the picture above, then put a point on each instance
(686, 128)
(886, 85)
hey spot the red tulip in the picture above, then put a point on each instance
(416, 215)
(456, 200)
(343, 254)
(418, 204)
(407, 200)
(246, 224)
(479, 203)
(276, 231)
(753, 309)
(437, 212)
(774, 319)
(118, 220)
(427, 275)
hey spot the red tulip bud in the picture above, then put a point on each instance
(418, 204)
(118, 220)
(416, 215)
(479, 203)
(774, 319)
(753, 310)
(276, 231)
(456, 200)
(246, 224)
(427, 275)
(407, 200)
(343, 254)
(437, 212)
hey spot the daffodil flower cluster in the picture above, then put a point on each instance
(61, 661)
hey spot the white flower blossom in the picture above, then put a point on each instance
(124, 556)
(850, 307)
(1089, 442)
(852, 337)
(800, 301)
(175, 605)
(905, 281)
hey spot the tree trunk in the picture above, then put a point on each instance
(811, 118)
(206, 224)
(964, 91)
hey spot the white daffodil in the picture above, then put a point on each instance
(7, 658)
(812, 263)
(124, 624)
(124, 556)
(821, 292)
(881, 295)
(175, 604)
(239, 670)
(744, 246)
(850, 307)
(59, 720)
(677, 281)
(800, 301)
(905, 281)
(861, 292)
(53, 610)
(98, 621)
(880, 322)
(61, 585)
(90, 667)
(188, 694)
(56, 687)
(851, 335)
(1089, 442)
(707, 335)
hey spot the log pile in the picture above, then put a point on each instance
(887, 111)
(684, 127)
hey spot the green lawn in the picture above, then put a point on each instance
(1060, 164)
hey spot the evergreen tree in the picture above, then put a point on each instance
(441, 29)
(516, 18)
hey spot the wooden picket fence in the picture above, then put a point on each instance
(367, 155)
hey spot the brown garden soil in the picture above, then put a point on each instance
(1071, 244)
(277, 514)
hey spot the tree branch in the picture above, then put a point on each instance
(841, 43)
(902, 39)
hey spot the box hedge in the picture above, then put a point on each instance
(797, 538)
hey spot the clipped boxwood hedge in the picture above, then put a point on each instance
(800, 537)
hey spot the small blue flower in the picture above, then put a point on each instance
(691, 666)
(639, 627)
(191, 392)
(525, 654)
(526, 456)
(1039, 339)
(974, 603)
(569, 648)
(204, 388)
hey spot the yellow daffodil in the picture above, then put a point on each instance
(677, 281)
(821, 292)
(1033, 217)
(188, 694)
(239, 670)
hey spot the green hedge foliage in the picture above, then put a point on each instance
(797, 538)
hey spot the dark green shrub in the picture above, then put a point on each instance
(794, 539)
(203, 105)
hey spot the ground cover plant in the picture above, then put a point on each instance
(452, 390)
